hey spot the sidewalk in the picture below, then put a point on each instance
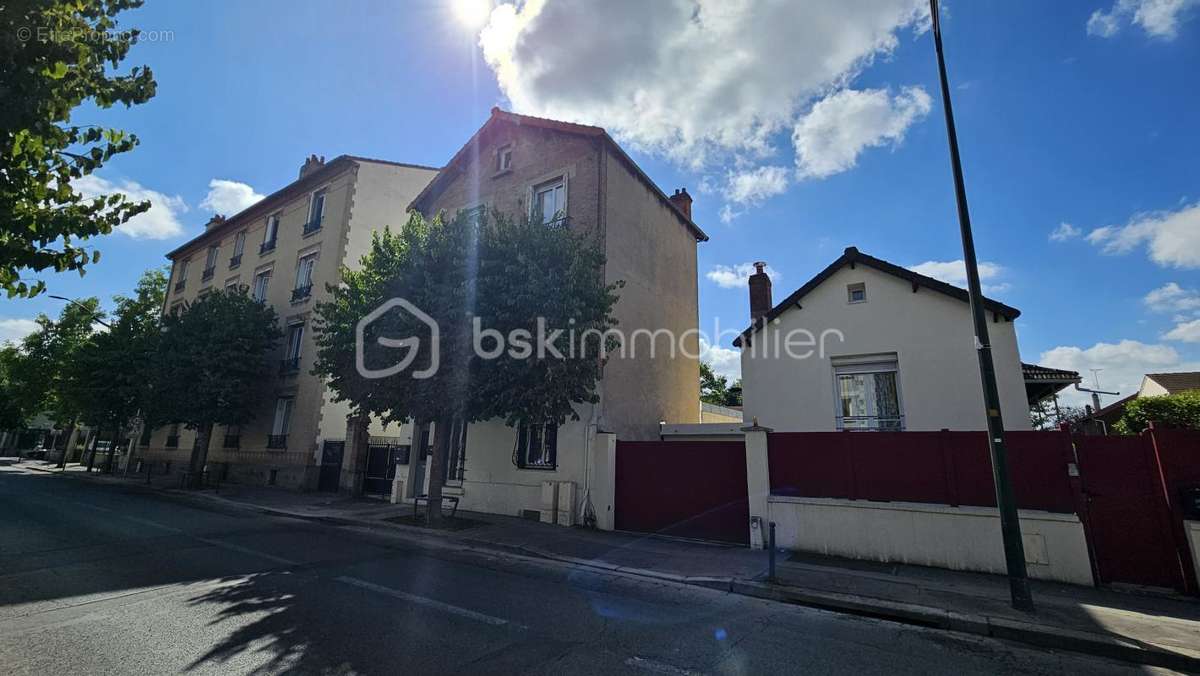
(1159, 631)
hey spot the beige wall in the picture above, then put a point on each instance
(1150, 388)
(931, 334)
(958, 538)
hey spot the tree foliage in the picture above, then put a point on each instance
(213, 363)
(716, 389)
(516, 278)
(39, 373)
(54, 56)
(1172, 410)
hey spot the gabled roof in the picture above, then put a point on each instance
(1034, 372)
(260, 208)
(1175, 383)
(438, 184)
(852, 256)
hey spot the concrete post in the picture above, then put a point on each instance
(604, 480)
(758, 482)
(354, 455)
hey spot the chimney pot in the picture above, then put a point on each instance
(311, 164)
(683, 201)
(760, 292)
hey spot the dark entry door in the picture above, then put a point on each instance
(331, 465)
(1127, 512)
(381, 469)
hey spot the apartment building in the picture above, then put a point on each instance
(574, 176)
(284, 250)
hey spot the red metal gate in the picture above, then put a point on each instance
(693, 489)
(1128, 516)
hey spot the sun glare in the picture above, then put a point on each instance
(471, 13)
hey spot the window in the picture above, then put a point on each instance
(269, 235)
(210, 262)
(283, 421)
(231, 284)
(856, 293)
(537, 446)
(295, 340)
(261, 281)
(173, 436)
(316, 210)
(504, 158)
(868, 395)
(550, 200)
(233, 437)
(456, 463)
(304, 277)
(239, 247)
(181, 277)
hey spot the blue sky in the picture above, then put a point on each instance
(799, 131)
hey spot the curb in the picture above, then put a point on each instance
(1042, 636)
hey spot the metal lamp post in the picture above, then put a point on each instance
(1010, 525)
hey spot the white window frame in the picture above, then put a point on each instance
(504, 158)
(857, 286)
(323, 194)
(232, 283)
(540, 187)
(210, 261)
(239, 243)
(546, 459)
(266, 286)
(309, 259)
(183, 270)
(295, 340)
(867, 366)
(285, 408)
(271, 232)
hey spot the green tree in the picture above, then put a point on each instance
(56, 55)
(714, 389)
(13, 413)
(112, 375)
(46, 358)
(507, 274)
(212, 364)
(1172, 410)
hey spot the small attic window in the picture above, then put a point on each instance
(856, 293)
(504, 158)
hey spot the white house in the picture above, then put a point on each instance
(867, 344)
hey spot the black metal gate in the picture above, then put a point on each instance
(331, 465)
(383, 453)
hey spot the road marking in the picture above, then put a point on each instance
(89, 505)
(152, 524)
(427, 602)
(247, 550)
(659, 667)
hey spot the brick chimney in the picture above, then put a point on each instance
(683, 200)
(760, 292)
(311, 164)
(213, 222)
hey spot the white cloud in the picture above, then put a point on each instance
(1158, 18)
(227, 197)
(955, 272)
(755, 185)
(15, 329)
(161, 221)
(724, 361)
(1172, 237)
(1171, 297)
(694, 80)
(736, 276)
(839, 127)
(1185, 332)
(1064, 232)
(1123, 364)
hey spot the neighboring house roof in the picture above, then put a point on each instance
(1042, 381)
(298, 187)
(1112, 413)
(1175, 383)
(852, 256)
(438, 184)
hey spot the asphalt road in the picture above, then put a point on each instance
(99, 579)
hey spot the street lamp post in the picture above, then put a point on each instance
(1010, 525)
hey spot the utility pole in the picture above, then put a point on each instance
(1010, 525)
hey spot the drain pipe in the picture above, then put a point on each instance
(1096, 402)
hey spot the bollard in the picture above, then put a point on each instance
(771, 560)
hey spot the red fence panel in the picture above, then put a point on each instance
(1178, 454)
(691, 489)
(949, 468)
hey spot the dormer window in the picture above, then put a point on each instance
(856, 293)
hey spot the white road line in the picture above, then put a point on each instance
(428, 602)
(247, 550)
(152, 524)
(659, 667)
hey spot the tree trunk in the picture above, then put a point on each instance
(441, 447)
(69, 447)
(91, 453)
(199, 454)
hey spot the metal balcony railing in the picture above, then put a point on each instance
(179, 285)
(232, 441)
(301, 292)
(235, 261)
(289, 365)
(276, 441)
(266, 246)
(312, 226)
(208, 273)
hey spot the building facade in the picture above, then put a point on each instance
(576, 176)
(869, 345)
(283, 251)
